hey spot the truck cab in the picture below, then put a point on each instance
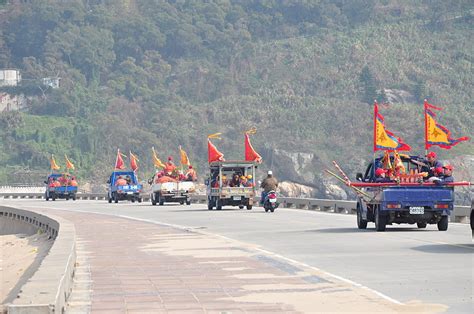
(412, 201)
(221, 191)
(123, 185)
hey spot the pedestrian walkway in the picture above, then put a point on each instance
(130, 266)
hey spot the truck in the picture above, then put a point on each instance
(130, 191)
(220, 194)
(178, 192)
(58, 191)
(412, 202)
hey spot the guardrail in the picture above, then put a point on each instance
(459, 214)
(47, 290)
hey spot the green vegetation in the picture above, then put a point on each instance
(142, 73)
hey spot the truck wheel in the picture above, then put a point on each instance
(241, 206)
(249, 207)
(380, 221)
(153, 199)
(139, 199)
(210, 203)
(133, 200)
(421, 225)
(109, 199)
(218, 204)
(161, 200)
(181, 202)
(361, 223)
(53, 197)
(115, 198)
(46, 196)
(443, 223)
(188, 202)
(67, 198)
(73, 197)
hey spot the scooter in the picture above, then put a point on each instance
(271, 203)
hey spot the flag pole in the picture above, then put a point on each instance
(426, 127)
(376, 111)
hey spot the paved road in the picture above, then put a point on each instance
(404, 263)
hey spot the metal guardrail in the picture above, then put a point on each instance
(460, 213)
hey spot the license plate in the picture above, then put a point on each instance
(272, 200)
(129, 192)
(237, 198)
(416, 210)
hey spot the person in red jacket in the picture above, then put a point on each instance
(170, 167)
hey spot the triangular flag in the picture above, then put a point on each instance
(133, 162)
(69, 164)
(436, 134)
(156, 161)
(54, 165)
(213, 154)
(184, 157)
(250, 153)
(119, 164)
(383, 138)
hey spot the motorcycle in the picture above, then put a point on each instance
(271, 203)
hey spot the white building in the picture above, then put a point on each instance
(52, 82)
(9, 77)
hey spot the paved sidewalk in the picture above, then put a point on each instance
(129, 266)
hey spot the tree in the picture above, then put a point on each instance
(369, 86)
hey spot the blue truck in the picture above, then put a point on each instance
(119, 190)
(56, 191)
(415, 203)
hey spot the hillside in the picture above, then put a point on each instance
(138, 73)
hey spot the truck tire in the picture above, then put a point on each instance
(115, 197)
(241, 206)
(67, 197)
(249, 207)
(218, 204)
(421, 225)
(46, 196)
(181, 202)
(361, 222)
(73, 197)
(443, 223)
(153, 199)
(139, 199)
(53, 197)
(380, 221)
(188, 202)
(161, 200)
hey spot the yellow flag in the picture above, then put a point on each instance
(69, 164)
(54, 165)
(184, 157)
(215, 135)
(253, 130)
(156, 161)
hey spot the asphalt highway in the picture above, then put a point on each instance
(404, 263)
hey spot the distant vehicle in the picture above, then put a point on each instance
(413, 202)
(58, 188)
(123, 185)
(220, 192)
(178, 192)
(270, 203)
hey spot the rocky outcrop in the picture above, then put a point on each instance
(399, 96)
(291, 189)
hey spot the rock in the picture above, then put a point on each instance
(291, 189)
(399, 96)
(333, 191)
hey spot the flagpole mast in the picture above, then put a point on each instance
(375, 132)
(116, 158)
(426, 128)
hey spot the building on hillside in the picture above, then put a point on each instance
(52, 82)
(12, 102)
(9, 77)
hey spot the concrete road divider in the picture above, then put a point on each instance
(49, 287)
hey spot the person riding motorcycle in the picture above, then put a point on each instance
(270, 183)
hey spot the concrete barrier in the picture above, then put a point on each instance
(49, 287)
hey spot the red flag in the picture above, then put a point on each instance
(435, 133)
(119, 164)
(213, 153)
(383, 138)
(250, 153)
(133, 162)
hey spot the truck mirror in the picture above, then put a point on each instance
(359, 176)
